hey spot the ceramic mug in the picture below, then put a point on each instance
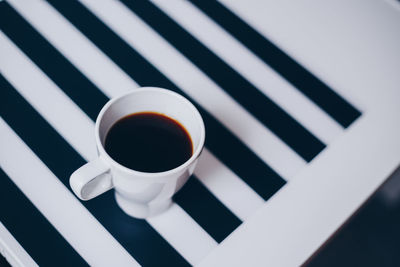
(139, 194)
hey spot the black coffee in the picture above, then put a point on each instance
(149, 142)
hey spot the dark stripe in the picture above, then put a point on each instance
(207, 210)
(136, 236)
(31, 229)
(270, 114)
(60, 65)
(4, 262)
(227, 147)
(332, 103)
(54, 64)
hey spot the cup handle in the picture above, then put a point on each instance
(91, 180)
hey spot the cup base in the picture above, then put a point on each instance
(141, 210)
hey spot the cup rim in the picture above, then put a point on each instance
(110, 160)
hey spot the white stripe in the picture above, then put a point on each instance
(219, 179)
(80, 52)
(175, 223)
(315, 43)
(196, 84)
(37, 89)
(227, 187)
(13, 251)
(85, 234)
(252, 68)
(71, 123)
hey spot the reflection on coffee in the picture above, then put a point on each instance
(149, 142)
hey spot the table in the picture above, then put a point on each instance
(300, 102)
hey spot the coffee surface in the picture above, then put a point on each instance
(148, 142)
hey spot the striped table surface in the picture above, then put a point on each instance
(300, 118)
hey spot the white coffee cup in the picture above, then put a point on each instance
(139, 194)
